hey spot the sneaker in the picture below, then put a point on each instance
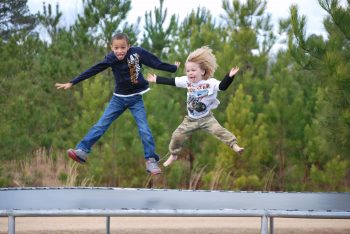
(152, 166)
(237, 149)
(77, 155)
(170, 160)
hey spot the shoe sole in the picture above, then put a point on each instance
(154, 173)
(73, 156)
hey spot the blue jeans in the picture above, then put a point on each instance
(115, 108)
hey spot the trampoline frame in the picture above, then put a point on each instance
(267, 215)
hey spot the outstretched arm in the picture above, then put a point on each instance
(160, 80)
(154, 62)
(86, 74)
(226, 82)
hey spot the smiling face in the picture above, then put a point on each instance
(194, 72)
(120, 47)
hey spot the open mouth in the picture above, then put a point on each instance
(120, 56)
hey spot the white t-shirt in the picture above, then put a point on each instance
(201, 96)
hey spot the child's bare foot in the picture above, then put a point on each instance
(237, 149)
(170, 160)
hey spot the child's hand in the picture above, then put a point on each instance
(63, 86)
(152, 78)
(233, 71)
(177, 64)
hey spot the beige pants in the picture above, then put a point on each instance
(208, 124)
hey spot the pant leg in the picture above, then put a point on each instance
(114, 109)
(181, 134)
(212, 126)
(138, 111)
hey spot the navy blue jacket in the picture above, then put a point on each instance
(127, 72)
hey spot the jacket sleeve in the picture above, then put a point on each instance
(226, 82)
(153, 61)
(165, 81)
(97, 68)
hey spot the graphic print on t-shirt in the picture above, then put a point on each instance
(201, 96)
(194, 104)
(134, 67)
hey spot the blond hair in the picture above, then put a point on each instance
(206, 60)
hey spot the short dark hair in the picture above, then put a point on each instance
(120, 36)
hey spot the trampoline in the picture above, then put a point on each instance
(109, 202)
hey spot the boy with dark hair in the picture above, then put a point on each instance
(126, 62)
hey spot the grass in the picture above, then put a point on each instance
(45, 169)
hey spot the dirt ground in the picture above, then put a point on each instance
(172, 225)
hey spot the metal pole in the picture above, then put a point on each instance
(271, 225)
(11, 225)
(108, 222)
(264, 225)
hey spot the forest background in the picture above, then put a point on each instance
(291, 111)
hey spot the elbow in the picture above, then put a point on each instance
(222, 88)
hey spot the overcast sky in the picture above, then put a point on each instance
(277, 8)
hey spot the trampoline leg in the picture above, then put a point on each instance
(108, 222)
(271, 225)
(264, 225)
(11, 225)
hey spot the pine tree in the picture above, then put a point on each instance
(198, 29)
(157, 37)
(246, 46)
(245, 23)
(18, 130)
(101, 19)
(327, 59)
(249, 34)
(15, 18)
(233, 171)
(49, 20)
(286, 125)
